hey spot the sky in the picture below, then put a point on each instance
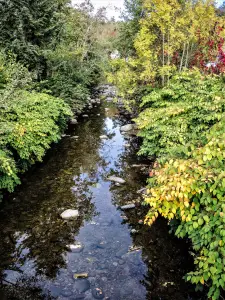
(110, 4)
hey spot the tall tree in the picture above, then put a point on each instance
(27, 27)
(129, 27)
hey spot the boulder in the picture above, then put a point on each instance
(116, 179)
(127, 127)
(70, 214)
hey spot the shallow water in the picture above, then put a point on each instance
(123, 259)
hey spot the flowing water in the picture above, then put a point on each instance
(124, 259)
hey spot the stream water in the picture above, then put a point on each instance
(124, 259)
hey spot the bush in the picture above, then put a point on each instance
(30, 123)
(185, 127)
(179, 113)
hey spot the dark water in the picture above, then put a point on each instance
(124, 259)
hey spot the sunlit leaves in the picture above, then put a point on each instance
(190, 185)
(29, 125)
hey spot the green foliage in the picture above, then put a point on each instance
(29, 123)
(28, 27)
(49, 55)
(185, 125)
(129, 29)
(180, 113)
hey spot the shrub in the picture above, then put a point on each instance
(179, 113)
(30, 123)
(184, 126)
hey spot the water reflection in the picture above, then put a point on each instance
(30, 227)
(123, 258)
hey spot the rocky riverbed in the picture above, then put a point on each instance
(75, 230)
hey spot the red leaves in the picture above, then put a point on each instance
(210, 57)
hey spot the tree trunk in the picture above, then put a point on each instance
(168, 56)
(187, 56)
(163, 76)
(182, 58)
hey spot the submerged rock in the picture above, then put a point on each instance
(82, 285)
(128, 206)
(73, 122)
(70, 214)
(103, 137)
(97, 293)
(116, 179)
(85, 116)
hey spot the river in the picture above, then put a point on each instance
(123, 259)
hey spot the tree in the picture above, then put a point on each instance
(129, 27)
(28, 27)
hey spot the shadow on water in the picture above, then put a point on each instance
(124, 259)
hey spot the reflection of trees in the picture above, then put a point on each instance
(166, 257)
(135, 179)
(30, 225)
(24, 289)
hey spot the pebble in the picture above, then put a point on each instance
(115, 264)
(121, 262)
(97, 293)
(80, 275)
(128, 206)
(66, 293)
(120, 253)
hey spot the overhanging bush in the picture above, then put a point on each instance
(185, 127)
(29, 123)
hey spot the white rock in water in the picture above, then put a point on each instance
(103, 137)
(127, 145)
(127, 127)
(75, 248)
(116, 179)
(70, 214)
(128, 206)
(73, 122)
